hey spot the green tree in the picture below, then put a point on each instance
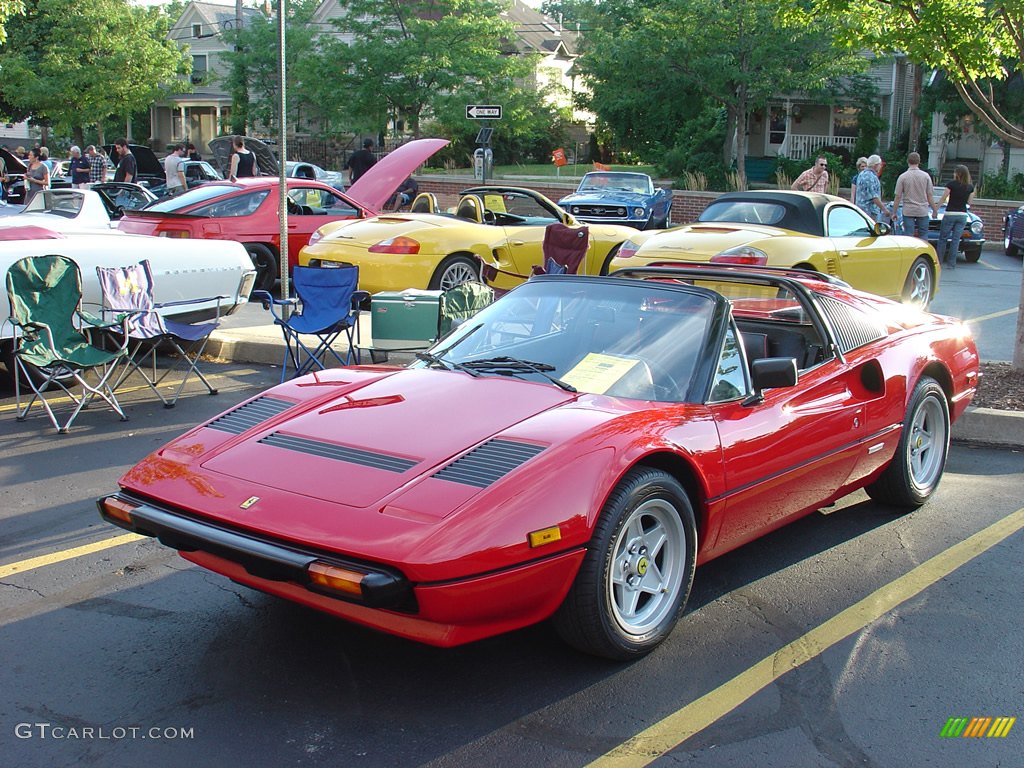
(410, 60)
(8, 8)
(976, 42)
(752, 51)
(74, 62)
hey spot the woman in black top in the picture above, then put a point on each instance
(959, 193)
(243, 162)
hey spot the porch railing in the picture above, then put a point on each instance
(802, 147)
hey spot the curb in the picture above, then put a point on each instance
(990, 427)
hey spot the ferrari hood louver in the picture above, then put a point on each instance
(488, 463)
(249, 415)
(337, 452)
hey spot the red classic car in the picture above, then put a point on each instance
(247, 210)
(571, 452)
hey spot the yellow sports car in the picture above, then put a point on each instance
(500, 227)
(796, 229)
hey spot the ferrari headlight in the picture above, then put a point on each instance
(977, 226)
(741, 254)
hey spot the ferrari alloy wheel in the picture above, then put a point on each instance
(453, 271)
(266, 266)
(637, 573)
(916, 469)
(917, 291)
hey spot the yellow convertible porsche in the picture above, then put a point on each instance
(500, 227)
(796, 229)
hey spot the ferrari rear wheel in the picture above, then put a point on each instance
(266, 265)
(918, 288)
(915, 471)
(455, 270)
(637, 574)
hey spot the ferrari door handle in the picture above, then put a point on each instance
(516, 242)
(844, 254)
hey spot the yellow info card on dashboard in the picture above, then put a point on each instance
(597, 373)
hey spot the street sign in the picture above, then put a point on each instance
(483, 111)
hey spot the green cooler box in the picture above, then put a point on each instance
(404, 319)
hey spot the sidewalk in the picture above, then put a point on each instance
(249, 336)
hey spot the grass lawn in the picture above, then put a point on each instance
(541, 169)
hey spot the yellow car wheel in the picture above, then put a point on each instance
(453, 271)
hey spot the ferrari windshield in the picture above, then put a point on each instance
(612, 337)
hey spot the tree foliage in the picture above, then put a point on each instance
(978, 43)
(8, 8)
(736, 53)
(421, 57)
(75, 62)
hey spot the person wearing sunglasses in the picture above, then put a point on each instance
(814, 179)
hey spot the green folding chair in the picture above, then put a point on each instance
(460, 303)
(58, 346)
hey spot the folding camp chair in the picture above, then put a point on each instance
(52, 350)
(129, 291)
(330, 308)
(564, 249)
(460, 303)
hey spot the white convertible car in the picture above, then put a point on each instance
(182, 269)
(79, 210)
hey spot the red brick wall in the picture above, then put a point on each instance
(686, 206)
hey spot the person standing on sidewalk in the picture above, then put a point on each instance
(914, 190)
(78, 169)
(958, 195)
(869, 191)
(814, 179)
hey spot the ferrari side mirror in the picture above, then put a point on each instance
(771, 372)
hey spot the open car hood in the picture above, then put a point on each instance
(145, 159)
(13, 163)
(374, 188)
(363, 442)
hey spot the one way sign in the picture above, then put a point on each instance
(481, 111)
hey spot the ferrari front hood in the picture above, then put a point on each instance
(358, 448)
(705, 239)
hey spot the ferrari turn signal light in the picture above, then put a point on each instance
(545, 536)
(335, 578)
(118, 510)
(398, 244)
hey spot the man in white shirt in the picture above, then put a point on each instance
(175, 173)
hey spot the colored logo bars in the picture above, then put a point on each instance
(977, 727)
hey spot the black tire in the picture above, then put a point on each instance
(265, 261)
(626, 599)
(919, 287)
(915, 471)
(453, 271)
(972, 254)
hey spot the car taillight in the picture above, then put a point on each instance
(396, 245)
(627, 250)
(174, 233)
(743, 254)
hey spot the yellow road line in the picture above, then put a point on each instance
(664, 736)
(66, 554)
(1001, 313)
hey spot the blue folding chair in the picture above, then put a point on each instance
(330, 308)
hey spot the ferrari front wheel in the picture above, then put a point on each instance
(914, 472)
(637, 573)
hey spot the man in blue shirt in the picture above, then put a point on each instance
(869, 191)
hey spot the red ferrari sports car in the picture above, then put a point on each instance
(248, 210)
(571, 452)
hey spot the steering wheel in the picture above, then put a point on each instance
(489, 217)
(666, 388)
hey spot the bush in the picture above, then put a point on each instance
(995, 186)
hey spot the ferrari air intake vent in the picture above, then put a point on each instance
(852, 327)
(247, 416)
(337, 452)
(488, 463)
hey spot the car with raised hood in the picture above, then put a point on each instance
(248, 210)
(496, 229)
(804, 230)
(571, 452)
(620, 197)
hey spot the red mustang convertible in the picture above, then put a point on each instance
(572, 453)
